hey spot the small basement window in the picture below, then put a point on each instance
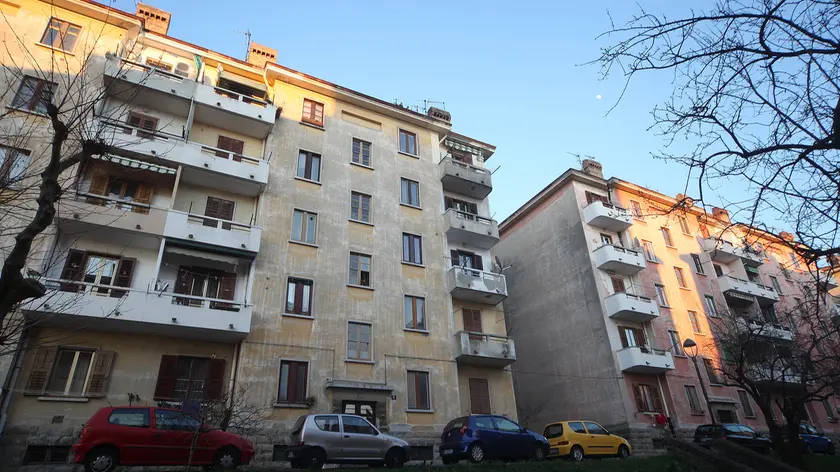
(46, 455)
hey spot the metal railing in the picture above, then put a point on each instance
(485, 337)
(91, 288)
(621, 249)
(743, 281)
(648, 350)
(214, 222)
(225, 154)
(154, 70)
(610, 206)
(479, 274)
(110, 202)
(759, 324)
(241, 97)
(464, 165)
(471, 217)
(139, 132)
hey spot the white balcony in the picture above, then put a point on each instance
(110, 308)
(644, 360)
(744, 288)
(236, 237)
(476, 286)
(484, 349)
(140, 84)
(726, 252)
(629, 307)
(93, 212)
(764, 330)
(607, 216)
(234, 111)
(473, 230)
(465, 179)
(774, 377)
(618, 259)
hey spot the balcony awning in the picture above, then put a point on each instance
(728, 400)
(240, 84)
(135, 164)
(202, 255)
(740, 296)
(452, 144)
(751, 269)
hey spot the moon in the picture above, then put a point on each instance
(598, 96)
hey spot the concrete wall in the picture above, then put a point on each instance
(193, 199)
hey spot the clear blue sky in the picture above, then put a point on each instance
(509, 72)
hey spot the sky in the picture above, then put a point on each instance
(512, 73)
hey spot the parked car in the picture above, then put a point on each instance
(483, 437)
(813, 440)
(737, 433)
(576, 439)
(155, 436)
(319, 439)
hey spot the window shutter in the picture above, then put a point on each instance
(227, 286)
(640, 336)
(479, 264)
(472, 320)
(167, 375)
(214, 384)
(479, 397)
(41, 367)
(657, 400)
(618, 285)
(456, 259)
(234, 146)
(213, 207)
(623, 336)
(123, 278)
(144, 196)
(448, 203)
(73, 266)
(98, 186)
(101, 371)
(182, 285)
(226, 212)
(640, 398)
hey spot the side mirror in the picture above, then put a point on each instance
(523, 429)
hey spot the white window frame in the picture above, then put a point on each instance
(73, 366)
(303, 227)
(661, 295)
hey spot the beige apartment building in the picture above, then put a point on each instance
(606, 284)
(251, 227)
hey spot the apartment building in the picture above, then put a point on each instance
(251, 228)
(606, 285)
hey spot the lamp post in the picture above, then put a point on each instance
(690, 344)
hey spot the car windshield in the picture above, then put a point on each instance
(457, 423)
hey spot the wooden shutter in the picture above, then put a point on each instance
(618, 284)
(623, 336)
(212, 208)
(184, 281)
(41, 366)
(226, 212)
(73, 269)
(167, 375)
(479, 264)
(101, 371)
(472, 320)
(227, 286)
(640, 336)
(98, 186)
(641, 404)
(479, 397)
(123, 278)
(704, 231)
(455, 257)
(234, 146)
(657, 400)
(144, 196)
(214, 384)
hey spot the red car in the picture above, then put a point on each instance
(155, 436)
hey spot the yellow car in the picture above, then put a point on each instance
(576, 439)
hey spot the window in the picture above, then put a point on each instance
(175, 420)
(220, 209)
(304, 225)
(661, 296)
(34, 94)
(313, 112)
(410, 193)
(137, 122)
(829, 411)
(676, 343)
(70, 372)
(299, 296)
(504, 424)
(358, 341)
(647, 398)
(412, 248)
(718, 270)
(361, 152)
(356, 425)
(553, 431)
(695, 323)
(786, 273)
(745, 404)
(794, 260)
(711, 306)
(595, 428)
(631, 337)
(461, 206)
(693, 399)
(606, 240)
(203, 282)
(577, 427)
(666, 235)
(360, 207)
(157, 64)
(684, 225)
(13, 165)
(408, 142)
(680, 277)
(230, 148)
(133, 417)
(293, 380)
(479, 396)
(698, 266)
(327, 423)
(61, 35)
(618, 284)
(776, 286)
(414, 312)
(649, 254)
(359, 270)
(189, 378)
(636, 209)
(711, 371)
(418, 391)
(46, 454)
(309, 166)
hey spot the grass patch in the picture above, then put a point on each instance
(820, 462)
(663, 463)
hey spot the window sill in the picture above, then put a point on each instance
(361, 165)
(360, 222)
(64, 399)
(62, 51)
(28, 112)
(409, 155)
(304, 179)
(713, 316)
(411, 206)
(295, 315)
(302, 243)
(670, 246)
(712, 384)
(410, 410)
(832, 420)
(413, 264)
(363, 287)
(653, 262)
(359, 361)
(313, 125)
(685, 288)
(701, 274)
(640, 220)
(667, 307)
(418, 331)
(300, 406)
(699, 413)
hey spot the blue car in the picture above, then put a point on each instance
(486, 437)
(815, 441)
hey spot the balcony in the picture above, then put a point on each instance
(234, 111)
(111, 308)
(473, 230)
(233, 236)
(88, 212)
(773, 332)
(140, 84)
(484, 349)
(465, 179)
(645, 360)
(629, 307)
(773, 377)
(726, 252)
(619, 259)
(607, 216)
(741, 289)
(476, 285)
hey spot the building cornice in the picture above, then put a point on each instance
(98, 11)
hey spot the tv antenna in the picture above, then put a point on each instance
(427, 102)
(247, 34)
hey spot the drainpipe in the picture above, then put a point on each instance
(234, 371)
(662, 395)
(11, 378)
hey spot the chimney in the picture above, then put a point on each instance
(687, 202)
(439, 114)
(258, 55)
(155, 19)
(786, 236)
(593, 168)
(720, 214)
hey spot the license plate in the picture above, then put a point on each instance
(553, 451)
(447, 451)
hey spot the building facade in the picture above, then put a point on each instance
(249, 229)
(607, 283)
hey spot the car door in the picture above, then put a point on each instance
(488, 435)
(131, 429)
(360, 440)
(735, 434)
(600, 441)
(172, 435)
(328, 435)
(577, 434)
(516, 443)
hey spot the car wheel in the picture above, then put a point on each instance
(226, 459)
(102, 460)
(538, 454)
(576, 454)
(623, 452)
(475, 453)
(395, 458)
(317, 458)
(807, 450)
(830, 450)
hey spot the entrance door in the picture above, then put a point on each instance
(726, 416)
(366, 410)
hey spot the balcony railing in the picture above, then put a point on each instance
(631, 307)
(619, 259)
(476, 285)
(471, 229)
(485, 349)
(607, 216)
(645, 360)
(250, 100)
(225, 154)
(466, 179)
(725, 252)
(127, 64)
(765, 329)
(214, 231)
(763, 293)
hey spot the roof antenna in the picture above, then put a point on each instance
(247, 34)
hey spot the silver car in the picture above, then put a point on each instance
(342, 439)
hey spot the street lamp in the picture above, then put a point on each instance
(690, 344)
